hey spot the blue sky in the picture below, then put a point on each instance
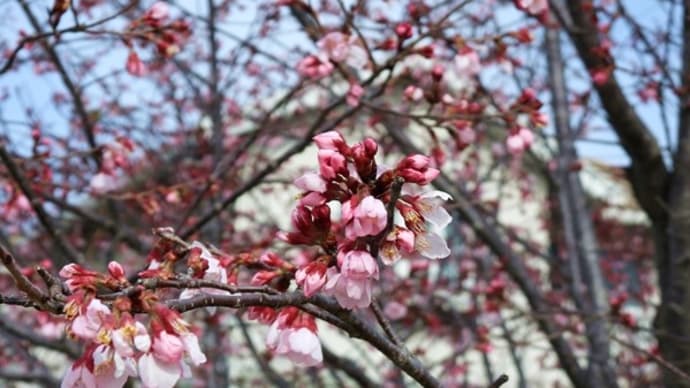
(28, 90)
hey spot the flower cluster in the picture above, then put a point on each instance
(353, 210)
(156, 27)
(334, 47)
(118, 345)
(350, 180)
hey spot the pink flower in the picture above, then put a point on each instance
(527, 136)
(520, 141)
(417, 169)
(533, 7)
(155, 373)
(262, 314)
(130, 337)
(335, 45)
(467, 62)
(331, 163)
(102, 183)
(431, 245)
(413, 93)
(330, 140)
(87, 325)
(300, 345)
(134, 65)
(214, 272)
(417, 210)
(354, 94)
(600, 76)
(343, 48)
(163, 366)
(404, 30)
(515, 144)
(314, 67)
(168, 347)
(116, 271)
(395, 310)
(312, 199)
(78, 376)
(369, 218)
(650, 92)
(358, 265)
(352, 286)
(94, 369)
(398, 243)
(110, 368)
(311, 181)
(349, 292)
(157, 13)
(429, 204)
(79, 277)
(311, 277)
(466, 135)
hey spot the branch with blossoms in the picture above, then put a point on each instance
(352, 216)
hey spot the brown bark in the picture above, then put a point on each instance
(663, 194)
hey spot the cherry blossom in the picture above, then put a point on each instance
(293, 335)
(417, 169)
(467, 63)
(212, 271)
(311, 277)
(368, 218)
(88, 323)
(134, 65)
(340, 47)
(534, 7)
(349, 292)
(314, 66)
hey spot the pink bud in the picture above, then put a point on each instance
(413, 93)
(116, 270)
(437, 72)
(359, 265)
(354, 94)
(515, 144)
(157, 13)
(314, 67)
(416, 169)
(403, 30)
(331, 163)
(600, 76)
(134, 65)
(311, 277)
(263, 277)
(271, 260)
(330, 140)
(168, 347)
(311, 182)
(527, 136)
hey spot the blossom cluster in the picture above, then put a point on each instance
(156, 27)
(334, 48)
(352, 210)
(373, 218)
(118, 345)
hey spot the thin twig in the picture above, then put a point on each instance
(385, 324)
(502, 379)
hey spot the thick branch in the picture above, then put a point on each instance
(649, 175)
(578, 229)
